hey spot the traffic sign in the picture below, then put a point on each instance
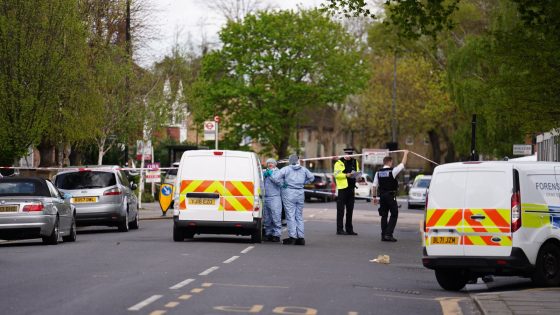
(209, 130)
(153, 175)
(165, 196)
(217, 119)
(522, 149)
(374, 156)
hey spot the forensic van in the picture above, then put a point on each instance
(219, 192)
(493, 218)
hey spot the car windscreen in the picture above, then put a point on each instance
(423, 183)
(23, 188)
(85, 180)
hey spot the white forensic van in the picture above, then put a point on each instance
(219, 192)
(493, 218)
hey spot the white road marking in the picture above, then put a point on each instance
(232, 259)
(248, 249)
(181, 284)
(185, 297)
(312, 216)
(145, 303)
(209, 271)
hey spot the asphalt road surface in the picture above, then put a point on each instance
(145, 272)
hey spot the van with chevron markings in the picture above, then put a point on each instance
(219, 193)
(493, 218)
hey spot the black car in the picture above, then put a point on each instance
(322, 188)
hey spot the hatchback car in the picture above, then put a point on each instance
(363, 188)
(322, 188)
(418, 191)
(32, 207)
(102, 195)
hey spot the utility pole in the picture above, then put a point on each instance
(474, 155)
(394, 105)
(129, 54)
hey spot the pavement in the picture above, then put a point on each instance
(523, 302)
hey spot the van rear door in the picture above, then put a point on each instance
(444, 212)
(487, 213)
(239, 194)
(201, 186)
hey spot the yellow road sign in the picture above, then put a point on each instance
(166, 196)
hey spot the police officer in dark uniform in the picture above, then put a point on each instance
(386, 186)
(345, 171)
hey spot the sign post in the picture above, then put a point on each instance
(217, 120)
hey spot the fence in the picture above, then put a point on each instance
(548, 146)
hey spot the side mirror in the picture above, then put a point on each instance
(133, 186)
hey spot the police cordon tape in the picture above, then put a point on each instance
(334, 157)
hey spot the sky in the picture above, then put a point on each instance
(177, 21)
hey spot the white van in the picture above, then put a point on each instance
(218, 192)
(493, 218)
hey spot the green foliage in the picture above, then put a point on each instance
(272, 67)
(40, 62)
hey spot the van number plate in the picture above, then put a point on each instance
(202, 201)
(444, 240)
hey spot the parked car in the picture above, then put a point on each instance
(418, 191)
(32, 207)
(323, 188)
(364, 185)
(171, 174)
(102, 195)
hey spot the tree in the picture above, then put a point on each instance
(271, 68)
(236, 10)
(41, 47)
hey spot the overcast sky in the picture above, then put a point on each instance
(193, 19)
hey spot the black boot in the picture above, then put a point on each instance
(289, 241)
(351, 233)
(341, 232)
(388, 238)
(300, 241)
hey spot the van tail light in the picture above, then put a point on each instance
(112, 192)
(218, 153)
(515, 212)
(33, 207)
(257, 205)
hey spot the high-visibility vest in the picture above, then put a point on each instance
(340, 176)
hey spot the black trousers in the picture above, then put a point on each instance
(388, 205)
(345, 199)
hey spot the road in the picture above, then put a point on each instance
(145, 272)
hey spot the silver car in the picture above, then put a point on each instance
(32, 207)
(418, 191)
(102, 195)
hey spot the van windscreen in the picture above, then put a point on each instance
(447, 190)
(203, 167)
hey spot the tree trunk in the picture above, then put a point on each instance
(47, 153)
(101, 152)
(75, 157)
(451, 154)
(436, 148)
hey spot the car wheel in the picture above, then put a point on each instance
(451, 279)
(178, 234)
(256, 236)
(55, 235)
(547, 268)
(72, 236)
(123, 226)
(135, 225)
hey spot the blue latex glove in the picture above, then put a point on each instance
(267, 173)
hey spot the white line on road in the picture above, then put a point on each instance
(145, 303)
(232, 259)
(181, 284)
(209, 271)
(248, 249)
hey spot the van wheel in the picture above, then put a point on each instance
(178, 234)
(547, 269)
(451, 279)
(256, 236)
(189, 235)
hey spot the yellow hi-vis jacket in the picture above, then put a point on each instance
(340, 176)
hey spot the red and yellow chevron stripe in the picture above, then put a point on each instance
(492, 225)
(234, 195)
